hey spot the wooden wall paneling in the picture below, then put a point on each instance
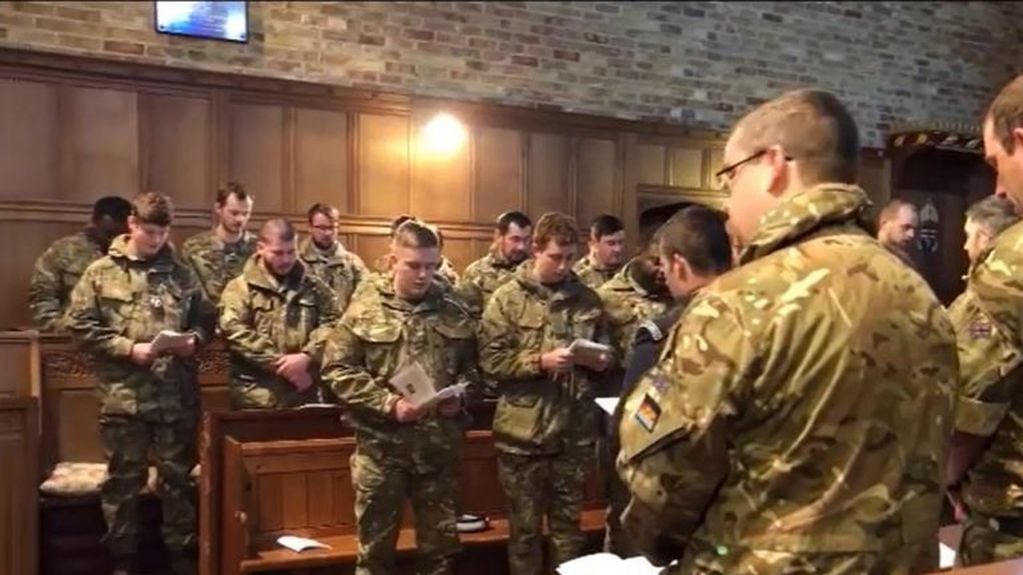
(257, 152)
(17, 354)
(371, 247)
(441, 172)
(686, 167)
(500, 170)
(875, 178)
(383, 152)
(715, 161)
(178, 142)
(101, 143)
(19, 486)
(31, 238)
(30, 140)
(321, 159)
(651, 164)
(596, 179)
(459, 251)
(548, 175)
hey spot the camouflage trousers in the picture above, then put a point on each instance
(703, 558)
(381, 486)
(538, 486)
(616, 539)
(983, 543)
(128, 441)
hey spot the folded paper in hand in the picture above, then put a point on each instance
(167, 340)
(608, 564)
(608, 404)
(589, 351)
(299, 544)
(418, 388)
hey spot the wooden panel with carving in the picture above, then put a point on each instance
(30, 140)
(549, 186)
(499, 173)
(257, 150)
(179, 142)
(383, 157)
(101, 151)
(596, 179)
(321, 159)
(19, 486)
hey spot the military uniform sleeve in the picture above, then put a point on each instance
(344, 370)
(85, 321)
(675, 430)
(44, 293)
(327, 308)
(470, 293)
(237, 329)
(501, 354)
(989, 361)
(190, 258)
(202, 320)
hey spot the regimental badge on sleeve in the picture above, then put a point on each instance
(648, 413)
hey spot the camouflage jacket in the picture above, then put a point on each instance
(121, 301)
(340, 269)
(627, 305)
(539, 412)
(988, 317)
(592, 275)
(215, 262)
(379, 334)
(55, 274)
(802, 405)
(481, 278)
(263, 318)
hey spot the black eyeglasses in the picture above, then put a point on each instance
(727, 170)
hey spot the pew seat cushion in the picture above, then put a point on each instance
(79, 478)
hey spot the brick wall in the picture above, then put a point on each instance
(694, 63)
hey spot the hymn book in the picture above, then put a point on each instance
(413, 383)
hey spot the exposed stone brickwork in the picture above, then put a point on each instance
(695, 63)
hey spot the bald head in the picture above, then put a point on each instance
(812, 127)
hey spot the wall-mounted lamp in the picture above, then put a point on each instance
(443, 134)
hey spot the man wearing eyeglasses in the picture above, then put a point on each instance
(325, 257)
(798, 418)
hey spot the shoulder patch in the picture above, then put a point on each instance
(648, 412)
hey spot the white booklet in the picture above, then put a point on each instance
(946, 556)
(299, 544)
(589, 351)
(608, 404)
(167, 340)
(608, 564)
(419, 389)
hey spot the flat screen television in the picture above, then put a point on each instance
(217, 20)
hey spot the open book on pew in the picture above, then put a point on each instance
(300, 544)
(608, 564)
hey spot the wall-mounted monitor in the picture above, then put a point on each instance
(217, 20)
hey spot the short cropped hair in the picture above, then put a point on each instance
(1006, 113)
(277, 229)
(698, 234)
(557, 227)
(399, 221)
(153, 208)
(814, 129)
(891, 210)
(505, 220)
(415, 234)
(114, 207)
(605, 225)
(993, 213)
(326, 210)
(232, 189)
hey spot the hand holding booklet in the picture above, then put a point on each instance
(419, 389)
(589, 352)
(167, 340)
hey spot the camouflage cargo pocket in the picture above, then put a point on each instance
(518, 418)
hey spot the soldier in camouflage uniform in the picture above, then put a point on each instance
(219, 255)
(149, 401)
(607, 250)
(634, 298)
(402, 451)
(799, 415)
(988, 317)
(325, 257)
(545, 424)
(275, 318)
(897, 228)
(445, 274)
(57, 271)
(510, 248)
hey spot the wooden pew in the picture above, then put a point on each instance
(270, 486)
(19, 437)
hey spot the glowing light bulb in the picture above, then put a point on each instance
(443, 134)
